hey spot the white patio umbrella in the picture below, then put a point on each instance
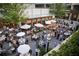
(25, 26)
(11, 29)
(39, 25)
(20, 34)
(23, 49)
(53, 16)
(53, 21)
(1, 32)
(67, 33)
(48, 22)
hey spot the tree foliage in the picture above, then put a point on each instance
(58, 9)
(12, 12)
(70, 48)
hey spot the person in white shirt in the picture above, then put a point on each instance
(21, 41)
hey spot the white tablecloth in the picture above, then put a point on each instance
(23, 49)
(25, 26)
(20, 34)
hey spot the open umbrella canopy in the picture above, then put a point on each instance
(53, 16)
(11, 29)
(23, 48)
(20, 34)
(48, 22)
(53, 21)
(25, 26)
(1, 32)
(39, 25)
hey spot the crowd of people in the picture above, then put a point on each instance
(9, 42)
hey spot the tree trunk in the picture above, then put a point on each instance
(71, 12)
(19, 24)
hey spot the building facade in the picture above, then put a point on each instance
(37, 10)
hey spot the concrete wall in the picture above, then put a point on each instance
(33, 12)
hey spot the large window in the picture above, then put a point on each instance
(76, 7)
(39, 5)
(48, 5)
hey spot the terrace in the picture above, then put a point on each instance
(41, 38)
(34, 36)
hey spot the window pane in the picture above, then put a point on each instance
(39, 5)
(48, 5)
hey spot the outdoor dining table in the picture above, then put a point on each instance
(20, 34)
(23, 49)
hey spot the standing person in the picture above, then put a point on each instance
(37, 52)
(22, 41)
(42, 36)
(44, 45)
(26, 42)
(55, 33)
(61, 37)
(30, 52)
(58, 35)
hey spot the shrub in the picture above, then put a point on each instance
(70, 48)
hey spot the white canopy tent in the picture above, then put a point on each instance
(53, 21)
(53, 16)
(25, 26)
(23, 49)
(39, 25)
(48, 22)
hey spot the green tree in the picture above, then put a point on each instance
(12, 12)
(70, 12)
(70, 48)
(58, 9)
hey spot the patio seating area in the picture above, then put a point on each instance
(27, 40)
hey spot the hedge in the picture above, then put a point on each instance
(70, 48)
